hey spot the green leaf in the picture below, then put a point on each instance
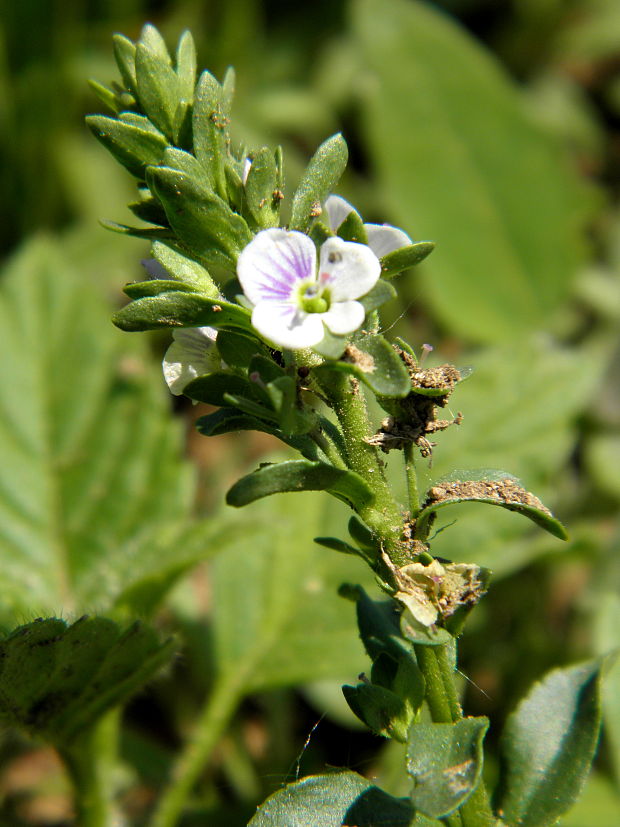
(260, 187)
(373, 361)
(203, 222)
(352, 229)
(380, 709)
(57, 680)
(548, 744)
(228, 420)
(381, 293)
(394, 263)
(274, 584)
(180, 310)
(445, 762)
(125, 56)
(330, 801)
(446, 168)
(336, 545)
(186, 66)
(492, 488)
(184, 269)
(155, 287)
(158, 89)
(210, 129)
(379, 626)
(301, 475)
(320, 178)
(212, 388)
(96, 499)
(239, 349)
(133, 147)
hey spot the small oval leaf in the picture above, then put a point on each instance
(445, 762)
(180, 310)
(301, 475)
(321, 176)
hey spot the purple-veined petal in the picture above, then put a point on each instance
(273, 263)
(286, 325)
(337, 210)
(190, 355)
(384, 239)
(344, 317)
(350, 269)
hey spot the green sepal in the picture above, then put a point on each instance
(212, 388)
(380, 709)
(155, 287)
(239, 349)
(228, 420)
(132, 146)
(395, 262)
(330, 800)
(373, 361)
(186, 67)
(56, 680)
(381, 293)
(319, 233)
(548, 745)
(184, 269)
(301, 475)
(260, 188)
(210, 129)
(125, 56)
(202, 220)
(490, 487)
(330, 346)
(152, 39)
(158, 90)
(352, 229)
(445, 763)
(320, 178)
(181, 310)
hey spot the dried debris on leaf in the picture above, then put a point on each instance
(506, 491)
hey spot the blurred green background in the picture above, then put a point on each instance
(489, 127)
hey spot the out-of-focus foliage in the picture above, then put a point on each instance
(488, 128)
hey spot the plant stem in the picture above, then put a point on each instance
(412, 480)
(444, 707)
(384, 515)
(90, 761)
(207, 731)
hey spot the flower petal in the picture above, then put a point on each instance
(344, 317)
(349, 269)
(286, 326)
(337, 210)
(273, 263)
(190, 355)
(384, 239)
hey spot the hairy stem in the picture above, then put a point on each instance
(90, 761)
(412, 480)
(383, 517)
(208, 729)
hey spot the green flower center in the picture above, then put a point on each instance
(313, 298)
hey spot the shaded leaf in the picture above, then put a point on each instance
(444, 126)
(57, 680)
(445, 763)
(301, 475)
(343, 798)
(548, 744)
(373, 361)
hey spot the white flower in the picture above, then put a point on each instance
(191, 354)
(292, 301)
(382, 238)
